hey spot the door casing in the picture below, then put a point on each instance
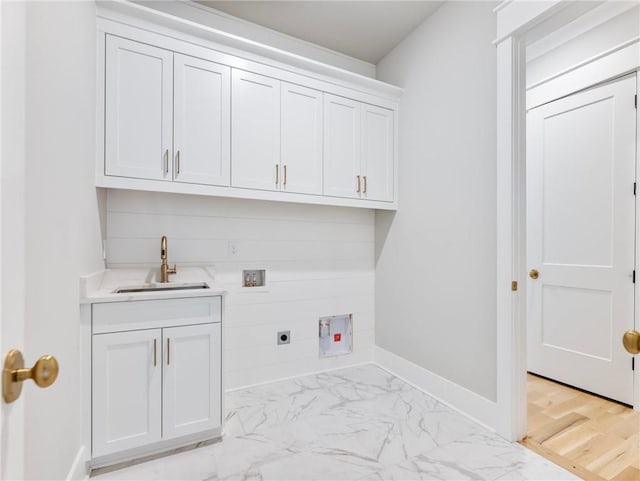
(517, 23)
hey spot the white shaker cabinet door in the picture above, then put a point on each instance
(202, 119)
(301, 139)
(191, 394)
(255, 131)
(342, 176)
(377, 153)
(138, 110)
(126, 391)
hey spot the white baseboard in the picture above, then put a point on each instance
(78, 470)
(466, 402)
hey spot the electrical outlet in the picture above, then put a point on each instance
(284, 337)
(233, 248)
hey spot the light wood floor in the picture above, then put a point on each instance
(594, 438)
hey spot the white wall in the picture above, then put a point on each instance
(242, 28)
(63, 238)
(436, 257)
(319, 262)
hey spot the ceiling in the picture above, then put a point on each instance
(366, 30)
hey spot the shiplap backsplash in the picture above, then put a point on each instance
(319, 262)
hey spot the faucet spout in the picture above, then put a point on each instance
(165, 270)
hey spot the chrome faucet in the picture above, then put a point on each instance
(165, 270)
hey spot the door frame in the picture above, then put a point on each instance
(517, 23)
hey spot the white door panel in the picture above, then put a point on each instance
(255, 132)
(377, 153)
(568, 310)
(301, 139)
(138, 110)
(581, 238)
(201, 121)
(126, 392)
(342, 144)
(191, 393)
(578, 185)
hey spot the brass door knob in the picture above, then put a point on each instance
(534, 274)
(44, 373)
(631, 342)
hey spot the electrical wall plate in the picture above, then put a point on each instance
(284, 337)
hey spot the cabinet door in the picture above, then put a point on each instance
(202, 104)
(191, 393)
(301, 139)
(341, 146)
(138, 110)
(255, 131)
(377, 153)
(126, 390)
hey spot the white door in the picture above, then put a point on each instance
(12, 230)
(301, 139)
(191, 391)
(377, 153)
(581, 238)
(126, 391)
(255, 131)
(138, 110)
(202, 118)
(342, 176)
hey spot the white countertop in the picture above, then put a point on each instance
(101, 286)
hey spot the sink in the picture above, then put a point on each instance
(159, 288)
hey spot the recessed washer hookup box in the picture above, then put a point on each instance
(335, 335)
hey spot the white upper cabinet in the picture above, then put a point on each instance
(190, 117)
(341, 147)
(301, 139)
(201, 121)
(358, 150)
(377, 166)
(255, 131)
(138, 110)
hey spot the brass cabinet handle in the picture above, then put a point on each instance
(178, 162)
(168, 351)
(631, 342)
(277, 174)
(155, 354)
(166, 161)
(358, 190)
(534, 274)
(365, 184)
(44, 373)
(285, 175)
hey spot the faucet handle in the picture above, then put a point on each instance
(172, 270)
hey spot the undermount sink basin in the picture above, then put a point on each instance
(158, 288)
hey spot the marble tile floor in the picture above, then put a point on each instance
(358, 423)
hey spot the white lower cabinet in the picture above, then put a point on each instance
(191, 379)
(127, 390)
(157, 384)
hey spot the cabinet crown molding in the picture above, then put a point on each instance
(132, 14)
